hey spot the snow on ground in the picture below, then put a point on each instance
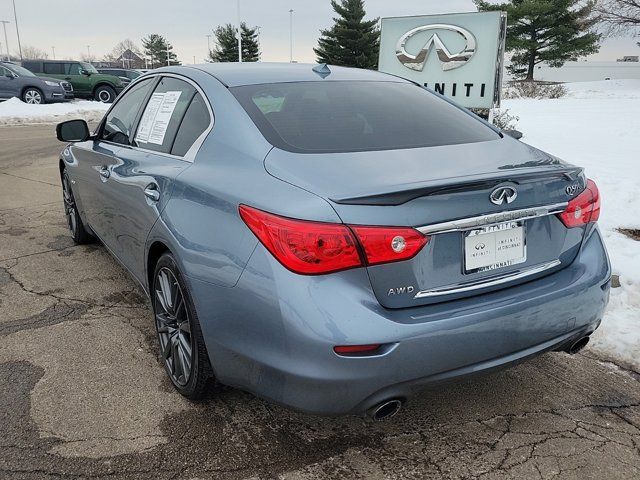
(14, 111)
(597, 126)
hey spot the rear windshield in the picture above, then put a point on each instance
(334, 116)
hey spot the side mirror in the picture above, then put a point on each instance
(10, 75)
(73, 131)
(513, 133)
(85, 72)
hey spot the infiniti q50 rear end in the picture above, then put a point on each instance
(337, 242)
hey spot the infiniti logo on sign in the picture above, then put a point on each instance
(448, 60)
(503, 195)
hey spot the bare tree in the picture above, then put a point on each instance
(87, 58)
(33, 53)
(619, 16)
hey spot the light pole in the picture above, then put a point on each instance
(291, 36)
(88, 53)
(208, 44)
(6, 41)
(168, 59)
(15, 16)
(239, 35)
(53, 51)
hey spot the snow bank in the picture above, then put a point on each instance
(14, 111)
(597, 126)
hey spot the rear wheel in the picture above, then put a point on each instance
(182, 346)
(79, 234)
(32, 96)
(105, 94)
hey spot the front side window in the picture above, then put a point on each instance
(54, 68)
(120, 121)
(163, 114)
(88, 67)
(3, 72)
(72, 68)
(21, 71)
(351, 116)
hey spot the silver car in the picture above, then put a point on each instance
(334, 239)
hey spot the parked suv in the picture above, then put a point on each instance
(16, 81)
(86, 81)
(127, 75)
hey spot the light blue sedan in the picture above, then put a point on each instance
(333, 239)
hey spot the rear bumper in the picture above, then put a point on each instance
(273, 333)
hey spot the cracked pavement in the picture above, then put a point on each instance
(83, 394)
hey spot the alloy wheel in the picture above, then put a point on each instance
(173, 326)
(33, 97)
(104, 96)
(69, 205)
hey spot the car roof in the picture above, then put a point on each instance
(253, 73)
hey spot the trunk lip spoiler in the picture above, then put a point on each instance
(470, 223)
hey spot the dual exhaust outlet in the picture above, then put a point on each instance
(389, 408)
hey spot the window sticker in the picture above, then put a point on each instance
(156, 117)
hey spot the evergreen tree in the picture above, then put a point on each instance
(155, 48)
(226, 48)
(351, 41)
(551, 31)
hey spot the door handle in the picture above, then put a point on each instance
(104, 172)
(152, 193)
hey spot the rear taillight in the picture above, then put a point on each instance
(389, 244)
(313, 248)
(583, 209)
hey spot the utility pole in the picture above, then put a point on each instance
(15, 16)
(291, 36)
(239, 35)
(53, 51)
(6, 41)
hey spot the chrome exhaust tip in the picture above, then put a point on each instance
(578, 345)
(385, 410)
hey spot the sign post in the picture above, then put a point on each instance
(460, 55)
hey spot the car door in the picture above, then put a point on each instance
(6, 83)
(142, 179)
(95, 158)
(81, 82)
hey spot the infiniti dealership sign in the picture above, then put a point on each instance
(458, 55)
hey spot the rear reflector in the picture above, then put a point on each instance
(313, 248)
(356, 349)
(583, 209)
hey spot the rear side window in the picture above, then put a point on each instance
(54, 68)
(122, 117)
(195, 122)
(328, 116)
(163, 114)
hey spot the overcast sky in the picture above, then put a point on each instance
(71, 25)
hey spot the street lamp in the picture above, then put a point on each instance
(53, 51)
(291, 36)
(239, 35)
(6, 41)
(15, 16)
(88, 53)
(208, 44)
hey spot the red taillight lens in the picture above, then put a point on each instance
(302, 246)
(389, 244)
(584, 208)
(313, 248)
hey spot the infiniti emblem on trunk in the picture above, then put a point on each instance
(503, 195)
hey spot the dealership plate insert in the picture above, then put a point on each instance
(494, 247)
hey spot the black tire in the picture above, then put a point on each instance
(177, 326)
(76, 226)
(33, 96)
(104, 94)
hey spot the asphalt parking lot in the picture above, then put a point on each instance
(83, 395)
